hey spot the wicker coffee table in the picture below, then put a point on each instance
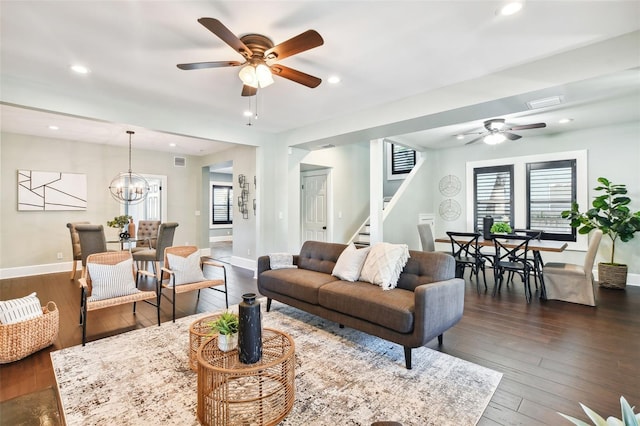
(199, 332)
(230, 392)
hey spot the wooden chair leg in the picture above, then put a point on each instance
(73, 271)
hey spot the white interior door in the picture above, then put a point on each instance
(155, 205)
(314, 205)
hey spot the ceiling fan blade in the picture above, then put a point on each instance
(226, 35)
(249, 91)
(511, 136)
(478, 139)
(295, 75)
(202, 65)
(305, 41)
(529, 126)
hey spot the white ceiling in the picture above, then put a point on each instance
(390, 55)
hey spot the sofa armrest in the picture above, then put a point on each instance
(264, 264)
(438, 307)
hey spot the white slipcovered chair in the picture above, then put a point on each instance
(573, 283)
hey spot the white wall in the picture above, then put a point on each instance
(35, 237)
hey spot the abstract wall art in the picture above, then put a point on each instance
(48, 191)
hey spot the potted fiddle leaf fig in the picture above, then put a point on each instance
(610, 213)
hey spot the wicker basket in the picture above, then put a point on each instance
(24, 338)
(612, 276)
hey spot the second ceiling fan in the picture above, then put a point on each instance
(497, 131)
(261, 57)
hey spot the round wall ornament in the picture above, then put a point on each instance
(450, 185)
(449, 209)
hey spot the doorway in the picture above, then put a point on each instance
(154, 207)
(221, 206)
(315, 199)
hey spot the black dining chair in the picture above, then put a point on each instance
(536, 257)
(511, 256)
(466, 251)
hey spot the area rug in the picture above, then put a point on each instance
(342, 377)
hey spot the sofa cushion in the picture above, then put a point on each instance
(300, 284)
(384, 264)
(393, 309)
(319, 256)
(426, 267)
(350, 262)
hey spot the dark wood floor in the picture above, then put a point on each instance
(553, 354)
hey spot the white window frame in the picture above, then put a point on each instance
(520, 186)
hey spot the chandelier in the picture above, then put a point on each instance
(129, 187)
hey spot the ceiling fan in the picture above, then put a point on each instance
(497, 131)
(261, 57)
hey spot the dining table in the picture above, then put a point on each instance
(535, 245)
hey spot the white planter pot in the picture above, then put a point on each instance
(227, 342)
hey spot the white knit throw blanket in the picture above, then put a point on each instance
(281, 261)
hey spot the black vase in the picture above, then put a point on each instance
(249, 330)
(487, 223)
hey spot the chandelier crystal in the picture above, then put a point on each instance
(129, 187)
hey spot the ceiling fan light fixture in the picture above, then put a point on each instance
(496, 124)
(494, 138)
(264, 76)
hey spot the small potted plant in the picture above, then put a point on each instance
(501, 228)
(227, 327)
(610, 214)
(119, 222)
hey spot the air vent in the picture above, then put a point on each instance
(179, 162)
(545, 102)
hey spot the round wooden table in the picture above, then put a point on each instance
(230, 392)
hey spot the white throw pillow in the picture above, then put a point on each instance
(350, 262)
(186, 269)
(384, 264)
(18, 310)
(109, 281)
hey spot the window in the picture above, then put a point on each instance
(221, 204)
(551, 188)
(402, 159)
(493, 194)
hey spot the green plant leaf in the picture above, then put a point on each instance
(603, 181)
(627, 413)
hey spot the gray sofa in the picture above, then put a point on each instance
(427, 301)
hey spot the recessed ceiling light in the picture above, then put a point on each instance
(53, 127)
(172, 144)
(565, 120)
(80, 69)
(510, 8)
(247, 113)
(334, 79)
(459, 137)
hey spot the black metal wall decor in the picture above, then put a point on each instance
(243, 198)
(255, 186)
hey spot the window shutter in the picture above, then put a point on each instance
(402, 159)
(222, 204)
(493, 194)
(551, 188)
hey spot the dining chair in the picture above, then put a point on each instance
(184, 271)
(147, 235)
(511, 255)
(110, 281)
(426, 237)
(466, 251)
(573, 283)
(536, 257)
(92, 240)
(155, 255)
(76, 253)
